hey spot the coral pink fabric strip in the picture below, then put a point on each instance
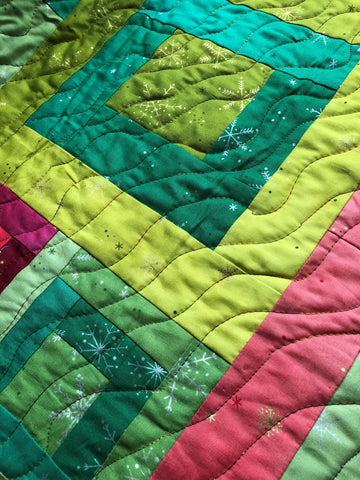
(271, 396)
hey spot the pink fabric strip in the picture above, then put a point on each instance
(22, 222)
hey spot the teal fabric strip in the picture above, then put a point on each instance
(21, 456)
(290, 48)
(63, 7)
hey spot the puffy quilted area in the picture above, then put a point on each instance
(179, 240)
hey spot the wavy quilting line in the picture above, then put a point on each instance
(271, 19)
(293, 14)
(194, 425)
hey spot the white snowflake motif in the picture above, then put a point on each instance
(266, 174)
(256, 186)
(103, 345)
(217, 56)
(240, 95)
(101, 12)
(232, 137)
(124, 292)
(98, 185)
(76, 409)
(171, 54)
(346, 143)
(109, 436)
(95, 467)
(333, 63)
(143, 468)
(58, 335)
(150, 266)
(317, 112)
(292, 82)
(154, 371)
(318, 37)
(155, 110)
(83, 257)
(324, 427)
(288, 15)
(233, 207)
(184, 374)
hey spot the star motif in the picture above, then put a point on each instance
(236, 402)
(51, 251)
(233, 207)
(119, 246)
(212, 418)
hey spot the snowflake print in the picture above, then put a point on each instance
(232, 137)
(150, 266)
(320, 38)
(77, 407)
(95, 467)
(236, 401)
(124, 292)
(172, 56)
(103, 345)
(289, 15)
(154, 371)
(97, 186)
(241, 95)
(217, 55)
(41, 187)
(185, 374)
(324, 427)
(266, 174)
(269, 421)
(228, 272)
(233, 207)
(346, 143)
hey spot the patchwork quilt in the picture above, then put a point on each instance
(179, 239)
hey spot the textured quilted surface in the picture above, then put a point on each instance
(179, 239)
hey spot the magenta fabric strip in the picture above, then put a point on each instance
(24, 223)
